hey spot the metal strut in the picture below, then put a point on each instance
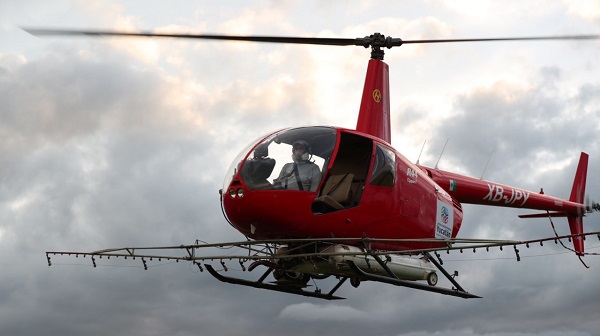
(445, 273)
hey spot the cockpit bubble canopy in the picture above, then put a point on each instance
(264, 164)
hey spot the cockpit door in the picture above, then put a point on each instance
(345, 180)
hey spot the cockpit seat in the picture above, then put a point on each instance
(256, 170)
(336, 194)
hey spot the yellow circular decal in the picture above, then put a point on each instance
(376, 95)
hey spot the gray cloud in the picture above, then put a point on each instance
(324, 313)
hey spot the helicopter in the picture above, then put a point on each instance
(347, 204)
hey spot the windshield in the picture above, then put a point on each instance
(292, 159)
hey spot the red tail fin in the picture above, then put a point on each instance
(578, 191)
(577, 195)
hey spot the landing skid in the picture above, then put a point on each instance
(294, 288)
(291, 289)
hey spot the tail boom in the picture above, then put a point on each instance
(471, 190)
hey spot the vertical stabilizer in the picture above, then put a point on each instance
(578, 191)
(374, 114)
(577, 195)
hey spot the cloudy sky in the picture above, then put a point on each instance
(124, 142)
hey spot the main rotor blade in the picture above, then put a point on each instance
(493, 39)
(268, 39)
(376, 40)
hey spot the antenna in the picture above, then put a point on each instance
(421, 152)
(486, 164)
(443, 149)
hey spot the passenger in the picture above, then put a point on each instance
(302, 174)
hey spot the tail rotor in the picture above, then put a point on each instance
(591, 206)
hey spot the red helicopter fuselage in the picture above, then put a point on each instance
(367, 189)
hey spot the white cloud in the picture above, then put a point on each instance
(587, 9)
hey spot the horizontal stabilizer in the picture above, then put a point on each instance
(545, 214)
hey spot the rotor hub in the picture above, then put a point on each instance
(377, 41)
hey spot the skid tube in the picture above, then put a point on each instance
(393, 280)
(278, 288)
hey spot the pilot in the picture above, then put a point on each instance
(302, 174)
